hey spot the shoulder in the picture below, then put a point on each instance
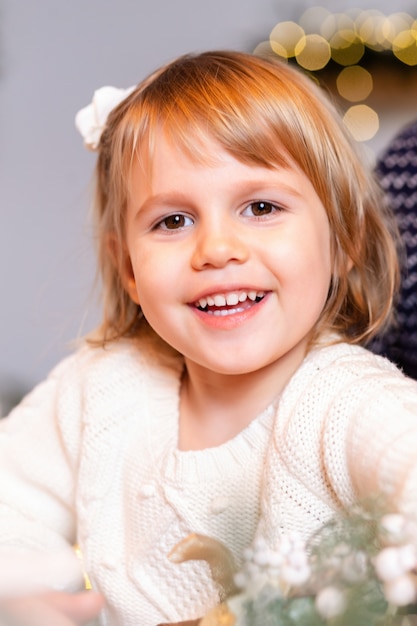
(348, 359)
(343, 404)
(93, 380)
(330, 372)
(142, 357)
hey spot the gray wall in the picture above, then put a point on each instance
(53, 54)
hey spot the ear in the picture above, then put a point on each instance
(121, 259)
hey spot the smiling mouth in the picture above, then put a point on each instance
(222, 304)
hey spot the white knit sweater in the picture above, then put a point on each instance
(90, 456)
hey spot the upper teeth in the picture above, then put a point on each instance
(230, 299)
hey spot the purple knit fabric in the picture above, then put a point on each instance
(397, 171)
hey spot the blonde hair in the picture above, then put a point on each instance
(266, 113)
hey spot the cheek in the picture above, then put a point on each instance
(143, 283)
(155, 274)
(310, 265)
(304, 254)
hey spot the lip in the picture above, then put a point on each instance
(233, 320)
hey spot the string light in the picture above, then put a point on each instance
(312, 52)
(362, 121)
(404, 46)
(285, 37)
(354, 83)
(346, 47)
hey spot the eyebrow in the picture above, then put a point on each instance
(163, 200)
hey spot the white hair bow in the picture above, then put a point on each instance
(91, 120)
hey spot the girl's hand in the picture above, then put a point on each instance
(51, 608)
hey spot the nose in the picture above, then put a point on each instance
(217, 245)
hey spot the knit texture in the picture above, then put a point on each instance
(397, 171)
(91, 456)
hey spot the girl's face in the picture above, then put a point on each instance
(230, 263)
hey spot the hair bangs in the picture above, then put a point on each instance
(230, 102)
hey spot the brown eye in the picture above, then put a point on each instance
(262, 208)
(175, 222)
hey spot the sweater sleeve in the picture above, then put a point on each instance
(38, 461)
(381, 442)
(369, 433)
(346, 432)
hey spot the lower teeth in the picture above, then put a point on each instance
(224, 312)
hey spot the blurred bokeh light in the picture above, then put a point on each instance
(348, 50)
(354, 83)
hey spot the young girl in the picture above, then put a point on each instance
(245, 256)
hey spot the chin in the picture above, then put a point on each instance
(232, 369)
